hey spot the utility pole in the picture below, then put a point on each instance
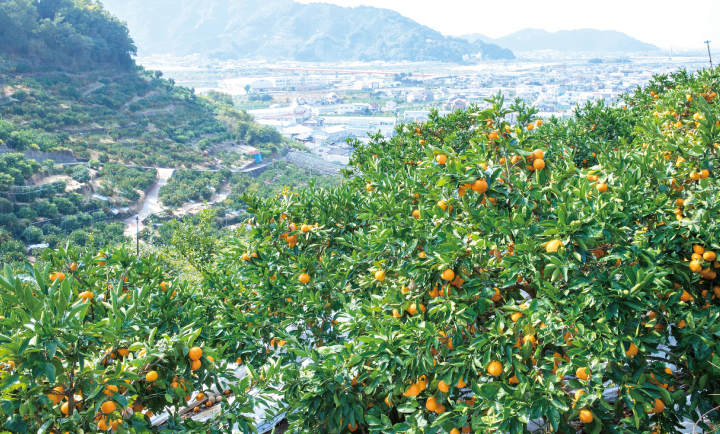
(709, 55)
(137, 235)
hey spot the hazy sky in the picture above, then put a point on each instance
(660, 22)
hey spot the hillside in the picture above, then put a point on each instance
(468, 276)
(284, 29)
(566, 40)
(93, 104)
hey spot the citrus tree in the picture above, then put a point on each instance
(107, 341)
(473, 275)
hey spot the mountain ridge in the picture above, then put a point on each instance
(565, 40)
(287, 30)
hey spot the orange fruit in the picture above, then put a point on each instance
(388, 401)
(632, 350)
(538, 164)
(539, 153)
(195, 353)
(516, 316)
(448, 274)
(444, 388)
(553, 246)
(495, 368)
(601, 187)
(585, 416)
(151, 376)
(431, 404)
(110, 390)
(480, 186)
(416, 213)
(583, 373)
(686, 296)
(440, 409)
(108, 407)
(530, 127)
(579, 393)
(695, 267)
(709, 256)
(380, 275)
(413, 390)
(304, 278)
(698, 249)
(196, 365)
(454, 431)
(659, 406)
(441, 158)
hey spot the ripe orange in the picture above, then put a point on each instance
(196, 364)
(102, 424)
(530, 127)
(388, 401)
(444, 388)
(195, 353)
(632, 350)
(514, 380)
(553, 246)
(108, 407)
(304, 278)
(480, 186)
(495, 368)
(380, 275)
(579, 393)
(448, 275)
(583, 373)
(709, 256)
(110, 390)
(441, 158)
(698, 249)
(431, 404)
(497, 295)
(601, 187)
(686, 296)
(585, 416)
(659, 406)
(151, 376)
(413, 390)
(516, 316)
(416, 213)
(57, 276)
(539, 153)
(695, 267)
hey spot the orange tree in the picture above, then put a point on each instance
(97, 342)
(476, 276)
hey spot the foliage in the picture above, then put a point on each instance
(187, 185)
(469, 271)
(113, 341)
(74, 33)
(15, 169)
(278, 178)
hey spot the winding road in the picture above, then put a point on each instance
(150, 205)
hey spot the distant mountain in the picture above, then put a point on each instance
(566, 40)
(285, 29)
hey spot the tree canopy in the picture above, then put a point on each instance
(70, 33)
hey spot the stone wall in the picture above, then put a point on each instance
(60, 157)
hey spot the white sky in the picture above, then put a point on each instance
(665, 23)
